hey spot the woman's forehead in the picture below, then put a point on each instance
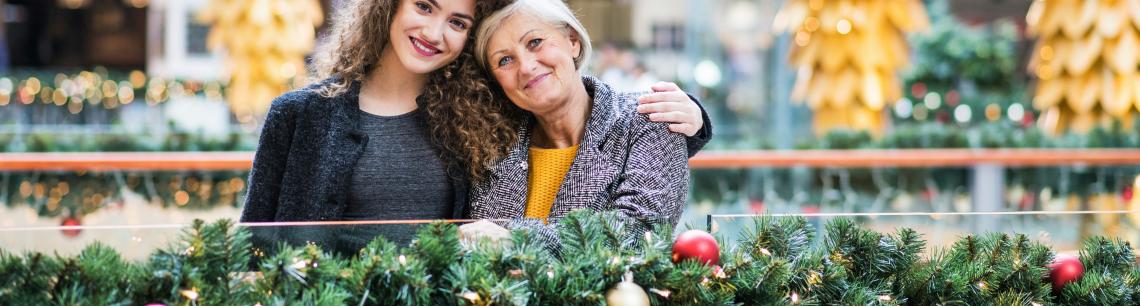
(518, 25)
(459, 6)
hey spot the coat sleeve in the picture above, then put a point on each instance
(698, 141)
(651, 190)
(269, 162)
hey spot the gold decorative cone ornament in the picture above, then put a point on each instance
(1085, 62)
(847, 53)
(265, 42)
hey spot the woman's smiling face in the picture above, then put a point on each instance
(533, 62)
(429, 34)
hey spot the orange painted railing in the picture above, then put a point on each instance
(127, 161)
(735, 159)
(914, 158)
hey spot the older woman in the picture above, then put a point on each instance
(581, 145)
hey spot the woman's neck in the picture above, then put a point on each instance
(390, 89)
(564, 127)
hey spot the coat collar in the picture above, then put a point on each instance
(346, 110)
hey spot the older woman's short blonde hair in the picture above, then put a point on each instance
(553, 11)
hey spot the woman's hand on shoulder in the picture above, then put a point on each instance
(668, 103)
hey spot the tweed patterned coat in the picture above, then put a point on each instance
(624, 163)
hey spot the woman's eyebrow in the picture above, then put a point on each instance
(460, 15)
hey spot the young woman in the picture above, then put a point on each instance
(399, 124)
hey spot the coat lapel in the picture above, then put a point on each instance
(593, 168)
(509, 189)
(345, 145)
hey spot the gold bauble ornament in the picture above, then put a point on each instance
(627, 293)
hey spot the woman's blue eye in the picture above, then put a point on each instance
(423, 7)
(504, 61)
(534, 42)
(459, 24)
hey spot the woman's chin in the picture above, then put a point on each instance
(419, 66)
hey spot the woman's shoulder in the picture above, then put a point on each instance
(619, 108)
(315, 92)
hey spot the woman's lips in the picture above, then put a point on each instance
(536, 80)
(424, 48)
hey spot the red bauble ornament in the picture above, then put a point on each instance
(929, 194)
(1027, 201)
(756, 207)
(942, 116)
(70, 221)
(918, 90)
(1027, 120)
(696, 244)
(1126, 194)
(1065, 269)
(952, 98)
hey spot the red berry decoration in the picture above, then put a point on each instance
(696, 244)
(70, 221)
(1065, 269)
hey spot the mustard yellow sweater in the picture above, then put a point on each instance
(548, 168)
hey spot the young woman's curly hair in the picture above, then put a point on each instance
(471, 125)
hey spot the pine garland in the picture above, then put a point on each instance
(778, 261)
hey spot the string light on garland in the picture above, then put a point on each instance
(932, 100)
(921, 113)
(963, 113)
(904, 108)
(993, 112)
(6, 88)
(137, 3)
(191, 294)
(73, 4)
(1016, 112)
(97, 89)
(471, 297)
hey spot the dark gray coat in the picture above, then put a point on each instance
(305, 156)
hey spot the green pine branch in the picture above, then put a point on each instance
(778, 261)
